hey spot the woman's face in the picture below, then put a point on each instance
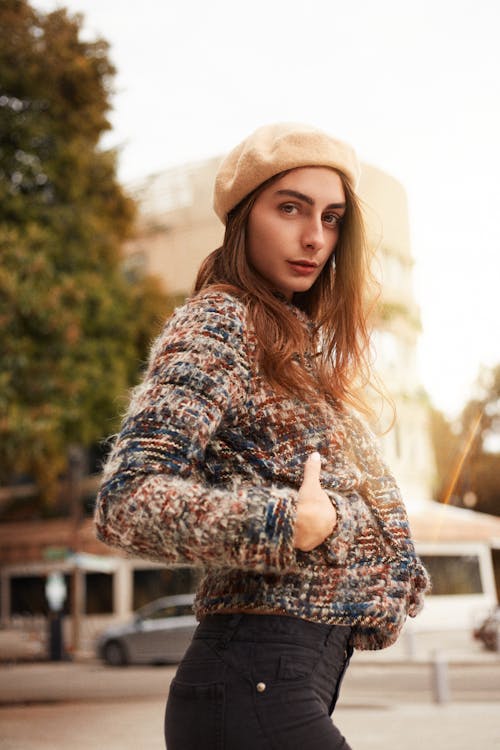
(293, 228)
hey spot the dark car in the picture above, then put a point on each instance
(489, 631)
(159, 633)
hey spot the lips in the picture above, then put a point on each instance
(303, 267)
(303, 263)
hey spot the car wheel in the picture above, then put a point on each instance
(114, 654)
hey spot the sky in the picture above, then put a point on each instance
(414, 87)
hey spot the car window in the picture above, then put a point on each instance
(185, 609)
(159, 614)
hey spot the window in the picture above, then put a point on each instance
(151, 584)
(453, 574)
(28, 595)
(161, 614)
(98, 593)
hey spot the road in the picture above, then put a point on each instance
(88, 705)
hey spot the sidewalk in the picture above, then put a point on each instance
(87, 706)
(415, 726)
(453, 646)
(138, 725)
(421, 726)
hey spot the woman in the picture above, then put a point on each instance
(241, 452)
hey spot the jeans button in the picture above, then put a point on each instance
(261, 686)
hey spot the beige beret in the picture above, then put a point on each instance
(273, 149)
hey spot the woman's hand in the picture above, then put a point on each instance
(316, 515)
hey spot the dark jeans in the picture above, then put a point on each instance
(258, 682)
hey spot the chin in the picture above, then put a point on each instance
(302, 289)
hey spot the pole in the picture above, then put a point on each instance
(440, 681)
(76, 458)
(56, 641)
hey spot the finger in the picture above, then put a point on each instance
(312, 469)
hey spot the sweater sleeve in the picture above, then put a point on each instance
(154, 500)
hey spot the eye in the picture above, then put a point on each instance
(332, 220)
(288, 208)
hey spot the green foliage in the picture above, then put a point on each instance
(75, 329)
(467, 454)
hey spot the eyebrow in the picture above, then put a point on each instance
(306, 198)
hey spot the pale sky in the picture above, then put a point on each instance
(414, 87)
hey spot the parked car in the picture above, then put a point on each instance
(159, 633)
(489, 631)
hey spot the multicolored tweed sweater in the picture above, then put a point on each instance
(206, 471)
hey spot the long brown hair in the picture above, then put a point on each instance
(336, 304)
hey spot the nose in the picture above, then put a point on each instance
(313, 237)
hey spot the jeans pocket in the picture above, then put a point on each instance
(194, 717)
(297, 666)
(284, 662)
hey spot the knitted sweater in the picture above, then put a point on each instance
(206, 470)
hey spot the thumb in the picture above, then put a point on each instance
(312, 469)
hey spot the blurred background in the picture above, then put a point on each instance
(113, 118)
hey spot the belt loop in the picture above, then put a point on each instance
(230, 630)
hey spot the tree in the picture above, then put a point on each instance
(76, 329)
(468, 457)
